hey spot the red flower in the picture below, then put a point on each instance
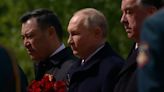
(47, 84)
(60, 86)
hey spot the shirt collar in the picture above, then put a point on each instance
(136, 46)
(58, 50)
(94, 52)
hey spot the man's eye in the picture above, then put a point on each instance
(29, 36)
(129, 12)
(74, 34)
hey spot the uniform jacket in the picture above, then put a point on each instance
(127, 78)
(97, 74)
(151, 75)
(56, 65)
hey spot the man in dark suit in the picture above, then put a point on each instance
(150, 59)
(42, 36)
(133, 14)
(99, 64)
(12, 77)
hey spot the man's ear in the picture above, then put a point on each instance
(98, 32)
(51, 31)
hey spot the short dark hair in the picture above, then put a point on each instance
(156, 3)
(45, 18)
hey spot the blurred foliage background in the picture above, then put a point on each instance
(10, 27)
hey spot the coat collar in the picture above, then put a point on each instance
(60, 57)
(57, 59)
(93, 61)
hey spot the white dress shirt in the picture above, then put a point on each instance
(58, 50)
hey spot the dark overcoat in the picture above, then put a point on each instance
(127, 78)
(98, 74)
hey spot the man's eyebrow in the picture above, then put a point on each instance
(129, 7)
(29, 32)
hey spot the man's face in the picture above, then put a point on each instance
(35, 40)
(81, 39)
(132, 17)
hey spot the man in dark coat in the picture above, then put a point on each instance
(12, 77)
(99, 64)
(42, 36)
(150, 59)
(133, 14)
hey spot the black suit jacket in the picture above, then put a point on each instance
(97, 74)
(127, 78)
(56, 65)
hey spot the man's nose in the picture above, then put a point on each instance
(69, 41)
(26, 42)
(123, 19)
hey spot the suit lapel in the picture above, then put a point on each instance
(41, 68)
(55, 61)
(59, 57)
(131, 62)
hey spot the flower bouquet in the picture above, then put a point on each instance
(47, 84)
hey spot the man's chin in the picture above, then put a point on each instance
(130, 36)
(76, 54)
(34, 58)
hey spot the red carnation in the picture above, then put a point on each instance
(47, 84)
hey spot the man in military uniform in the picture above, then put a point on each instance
(133, 14)
(151, 53)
